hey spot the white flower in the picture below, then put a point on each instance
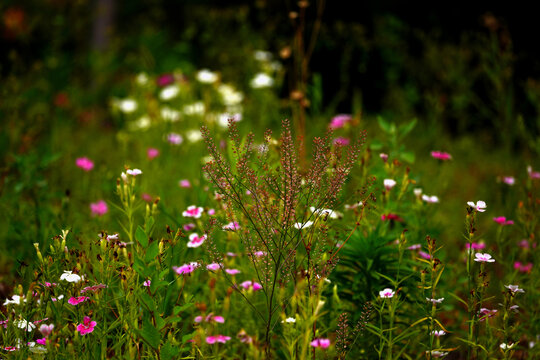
(127, 106)
(134, 172)
(430, 199)
(304, 225)
(386, 293)
(124, 176)
(193, 135)
(506, 346)
(417, 192)
(437, 353)
(438, 332)
(262, 55)
(435, 301)
(15, 299)
(141, 123)
(289, 320)
(196, 108)
(69, 276)
(261, 80)
(389, 183)
(332, 214)
(142, 79)
(223, 119)
(169, 92)
(169, 114)
(206, 76)
(479, 206)
(23, 324)
(514, 289)
(229, 95)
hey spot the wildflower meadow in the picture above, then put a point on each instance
(203, 191)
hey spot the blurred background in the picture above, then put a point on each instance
(110, 79)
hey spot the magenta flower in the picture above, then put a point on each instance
(522, 267)
(186, 268)
(195, 240)
(152, 153)
(475, 246)
(99, 208)
(175, 139)
(232, 271)
(479, 257)
(384, 157)
(414, 247)
(386, 293)
(322, 343)
(184, 183)
(211, 212)
(189, 227)
(391, 216)
(339, 121)
(210, 318)
(533, 174)
(501, 220)
(147, 283)
(424, 255)
(479, 206)
(94, 288)
(248, 284)
(441, 155)
(508, 180)
(84, 163)
(217, 338)
(193, 211)
(165, 79)
(213, 266)
(42, 341)
(87, 326)
(77, 300)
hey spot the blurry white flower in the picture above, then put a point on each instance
(206, 76)
(193, 135)
(142, 123)
(417, 192)
(303, 226)
(389, 184)
(134, 172)
(430, 199)
(15, 299)
(169, 114)
(127, 106)
(229, 95)
(223, 119)
(175, 139)
(69, 276)
(261, 80)
(196, 108)
(262, 55)
(23, 324)
(169, 92)
(289, 320)
(332, 214)
(142, 79)
(506, 346)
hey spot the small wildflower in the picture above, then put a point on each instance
(441, 155)
(213, 266)
(479, 206)
(475, 246)
(175, 139)
(232, 226)
(46, 330)
(501, 220)
(206, 76)
(169, 92)
(438, 333)
(24, 324)
(152, 153)
(438, 354)
(42, 341)
(289, 320)
(430, 199)
(147, 283)
(414, 247)
(134, 172)
(69, 276)
(195, 240)
(506, 346)
(386, 293)
(391, 216)
(339, 121)
(165, 80)
(322, 343)
(417, 192)
(217, 338)
(186, 268)
(435, 301)
(522, 267)
(77, 300)
(261, 80)
(389, 184)
(15, 299)
(487, 313)
(189, 227)
(343, 141)
(384, 157)
(248, 284)
(514, 289)
(87, 326)
(193, 211)
(533, 174)
(84, 163)
(424, 255)
(508, 180)
(479, 257)
(232, 271)
(99, 208)
(332, 214)
(127, 106)
(300, 226)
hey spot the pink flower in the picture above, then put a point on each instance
(414, 247)
(99, 208)
(479, 257)
(193, 211)
(189, 227)
(514, 289)
(211, 212)
(184, 183)
(441, 155)
(195, 240)
(479, 206)
(343, 141)
(487, 313)
(339, 121)
(533, 174)
(232, 226)
(147, 283)
(42, 341)
(384, 157)
(522, 267)
(164, 80)
(77, 300)
(508, 180)
(213, 266)
(87, 326)
(218, 338)
(46, 330)
(424, 255)
(322, 343)
(147, 197)
(186, 268)
(94, 288)
(248, 284)
(391, 216)
(84, 163)
(210, 318)
(152, 153)
(11, 348)
(175, 139)
(386, 293)
(501, 220)
(476, 246)
(232, 271)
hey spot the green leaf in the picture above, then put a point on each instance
(149, 225)
(141, 237)
(152, 252)
(148, 301)
(178, 309)
(168, 351)
(406, 128)
(408, 156)
(385, 126)
(150, 334)
(376, 145)
(141, 268)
